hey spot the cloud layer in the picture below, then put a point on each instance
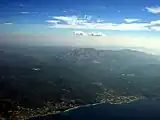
(154, 10)
(81, 33)
(96, 34)
(131, 20)
(24, 12)
(8, 23)
(86, 22)
(52, 21)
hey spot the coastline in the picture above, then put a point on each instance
(87, 105)
(42, 115)
(138, 109)
(70, 109)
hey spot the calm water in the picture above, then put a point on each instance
(139, 110)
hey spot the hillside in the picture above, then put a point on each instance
(33, 77)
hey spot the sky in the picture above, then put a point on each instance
(81, 22)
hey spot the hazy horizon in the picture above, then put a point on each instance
(73, 23)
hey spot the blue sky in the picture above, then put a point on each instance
(124, 19)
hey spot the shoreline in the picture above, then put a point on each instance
(81, 106)
(87, 105)
(70, 109)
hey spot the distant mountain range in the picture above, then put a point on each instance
(126, 56)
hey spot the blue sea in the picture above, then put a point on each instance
(138, 110)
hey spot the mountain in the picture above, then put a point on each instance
(34, 76)
(109, 55)
(108, 60)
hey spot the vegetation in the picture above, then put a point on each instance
(33, 76)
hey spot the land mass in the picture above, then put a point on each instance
(36, 81)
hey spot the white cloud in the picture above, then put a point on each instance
(52, 21)
(74, 19)
(81, 33)
(131, 20)
(156, 28)
(8, 23)
(80, 21)
(87, 23)
(154, 10)
(96, 34)
(105, 26)
(67, 26)
(157, 22)
(100, 21)
(24, 12)
(88, 17)
(132, 26)
(69, 20)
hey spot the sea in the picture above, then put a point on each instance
(138, 110)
